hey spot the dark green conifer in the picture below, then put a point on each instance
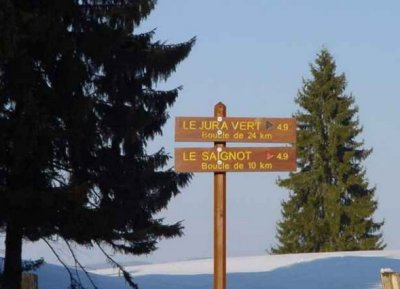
(78, 105)
(331, 204)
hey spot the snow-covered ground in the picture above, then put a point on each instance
(340, 270)
(241, 264)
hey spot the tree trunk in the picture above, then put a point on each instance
(12, 262)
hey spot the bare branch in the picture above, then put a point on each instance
(79, 264)
(71, 277)
(127, 276)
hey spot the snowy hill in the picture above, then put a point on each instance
(341, 270)
(242, 264)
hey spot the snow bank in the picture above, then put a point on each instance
(240, 264)
(339, 270)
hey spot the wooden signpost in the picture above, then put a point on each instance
(221, 159)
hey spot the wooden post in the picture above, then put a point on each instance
(390, 279)
(220, 213)
(29, 281)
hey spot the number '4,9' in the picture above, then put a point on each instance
(283, 126)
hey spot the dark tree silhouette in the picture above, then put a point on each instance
(78, 105)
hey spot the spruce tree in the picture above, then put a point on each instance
(78, 104)
(331, 204)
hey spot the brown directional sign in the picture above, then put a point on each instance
(238, 159)
(235, 129)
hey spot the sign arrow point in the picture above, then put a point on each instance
(269, 156)
(268, 125)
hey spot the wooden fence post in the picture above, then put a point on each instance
(390, 279)
(29, 281)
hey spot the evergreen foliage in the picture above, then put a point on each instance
(78, 105)
(331, 204)
(32, 265)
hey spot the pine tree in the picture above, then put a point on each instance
(78, 105)
(331, 204)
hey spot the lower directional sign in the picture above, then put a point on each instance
(230, 159)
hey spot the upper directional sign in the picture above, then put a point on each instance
(235, 129)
